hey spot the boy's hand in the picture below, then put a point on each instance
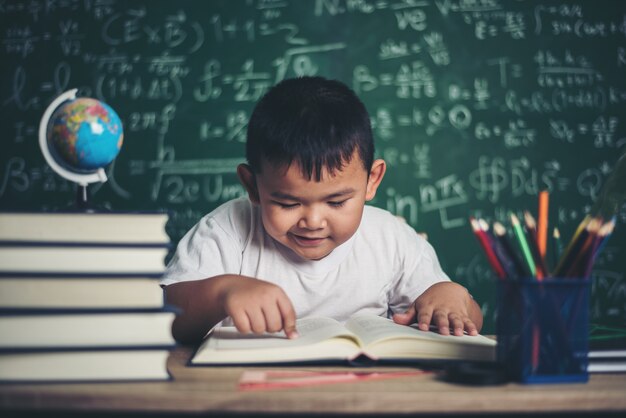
(258, 306)
(448, 306)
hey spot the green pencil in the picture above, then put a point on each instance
(521, 239)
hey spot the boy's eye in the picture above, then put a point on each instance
(286, 205)
(337, 204)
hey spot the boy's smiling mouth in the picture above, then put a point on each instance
(307, 241)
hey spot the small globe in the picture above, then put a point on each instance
(84, 134)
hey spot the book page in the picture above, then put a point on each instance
(311, 330)
(320, 338)
(371, 328)
(382, 338)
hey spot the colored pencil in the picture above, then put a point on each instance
(500, 251)
(536, 346)
(566, 256)
(542, 222)
(533, 244)
(521, 240)
(578, 261)
(537, 244)
(487, 248)
(500, 234)
(558, 246)
(603, 233)
(609, 232)
(538, 241)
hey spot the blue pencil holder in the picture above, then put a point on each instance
(542, 329)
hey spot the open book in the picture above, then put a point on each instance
(364, 337)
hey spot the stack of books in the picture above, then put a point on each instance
(607, 348)
(80, 297)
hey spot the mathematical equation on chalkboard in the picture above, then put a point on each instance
(476, 106)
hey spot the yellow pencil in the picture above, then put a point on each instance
(576, 265)
(565, 255)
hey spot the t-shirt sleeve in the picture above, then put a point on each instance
(208, 249)
(420, 269)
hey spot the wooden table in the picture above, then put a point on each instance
(214, 391)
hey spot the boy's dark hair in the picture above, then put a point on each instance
(315, 122)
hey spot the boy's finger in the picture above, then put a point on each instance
(289, 318)
(273, 319)
(257, 321)
(441, 321)
(405, 318)
(470, 327)
(456, 324)
(423, 319)
(290, 330)
(241, 322)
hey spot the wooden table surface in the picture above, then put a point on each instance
(214, 391)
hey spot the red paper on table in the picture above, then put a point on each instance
(274, 379)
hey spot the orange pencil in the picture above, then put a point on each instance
(542, 223)
(540, 236)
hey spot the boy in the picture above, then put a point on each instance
(304, 243)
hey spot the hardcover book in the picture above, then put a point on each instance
(104, 259)
(79, 291)
(363, 338)
(63, 330)
(84, 366)
(84, 227)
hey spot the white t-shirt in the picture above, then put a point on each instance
(381, 269)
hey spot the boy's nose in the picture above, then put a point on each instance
(312, 219)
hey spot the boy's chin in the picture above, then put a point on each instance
(310, 254)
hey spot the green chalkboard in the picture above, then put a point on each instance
(476, 106)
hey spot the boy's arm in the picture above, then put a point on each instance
(447, 305)
(200, 310)
(254, 305)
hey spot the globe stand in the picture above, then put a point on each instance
(82, 203)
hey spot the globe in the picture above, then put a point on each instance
(84, 134)
(78, 137)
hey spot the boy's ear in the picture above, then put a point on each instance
(247, 178)
(376, 176)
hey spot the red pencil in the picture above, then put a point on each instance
(483, 239)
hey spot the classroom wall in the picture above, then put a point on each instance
(476, 106)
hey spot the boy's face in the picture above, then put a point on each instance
(312, 218)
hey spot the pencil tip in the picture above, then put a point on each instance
(606, 229)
